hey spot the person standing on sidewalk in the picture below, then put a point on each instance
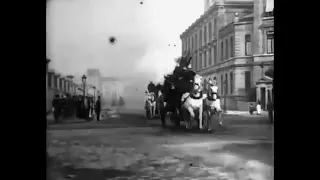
(270, 110)
(98, 108)
(258, 107)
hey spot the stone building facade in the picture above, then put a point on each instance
(229, 42)
(58, 84)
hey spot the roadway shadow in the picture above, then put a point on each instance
(181, 130)
(259, 150)
(124, 120)
(55, 170)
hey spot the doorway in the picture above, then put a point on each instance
(263, 97)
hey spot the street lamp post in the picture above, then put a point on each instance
(84, 78)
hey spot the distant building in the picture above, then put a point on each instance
(107, 87)
(112, 88)
(94, 78)
(229, 42)
(58, 84)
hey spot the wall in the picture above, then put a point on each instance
(240, 31)
(257, 73)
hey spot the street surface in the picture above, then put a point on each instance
(130, 147)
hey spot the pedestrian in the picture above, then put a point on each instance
(91, 107)
(98, 108)
(258, 107)
(56, 108)
(251, 108)
(161, 108)
(270, 111)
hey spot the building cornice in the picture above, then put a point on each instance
(51, 71)
(70, 76)
(240, 61)
(212, 9)
(242, 23)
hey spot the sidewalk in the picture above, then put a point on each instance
(246, 113)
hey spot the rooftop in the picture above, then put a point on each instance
(215, 6)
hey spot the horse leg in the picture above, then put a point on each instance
(190, 118)
(209, 120)
(220, 117)
(200, 117)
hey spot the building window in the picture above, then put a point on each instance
(247, 81)
(192, 44)
(188, 44)
(221, 54)
(215, 54)
(60, 84)
(214, 25)
(248, 44)
(210, 56)
(200, 39)
(231, 83)
(222, 85)
(65, 85)
(210, 31)
(270, 42)
(205, 34)
(205, 59)
(231, 47)
(200, 61)
(55, 82)
(196, 42)
(227, 48)
(226, 83)
(196, 62)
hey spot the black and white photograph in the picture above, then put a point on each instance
(160, 89)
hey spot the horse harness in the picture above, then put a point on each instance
(192, 95)
(211, 95)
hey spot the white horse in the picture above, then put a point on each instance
(193, 101)
(150, 104)
(212, 103)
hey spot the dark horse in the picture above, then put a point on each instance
(175, 85)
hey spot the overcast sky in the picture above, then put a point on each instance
(78, 33)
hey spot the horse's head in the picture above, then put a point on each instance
(152, 96)
(197, 83)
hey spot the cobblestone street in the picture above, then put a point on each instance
(156, 153)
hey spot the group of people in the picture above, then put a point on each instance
(66, 106)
